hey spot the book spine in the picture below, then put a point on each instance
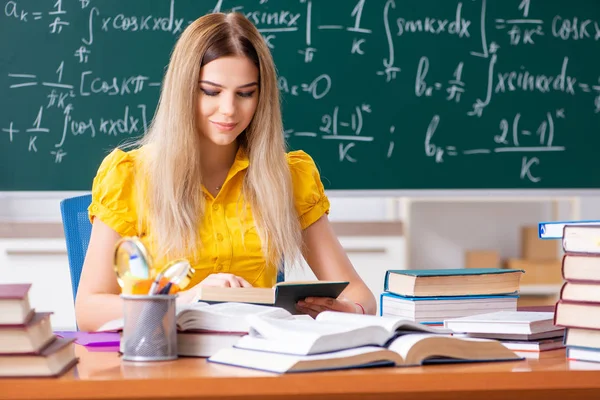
(385, 280)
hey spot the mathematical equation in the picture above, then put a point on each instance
(371, 33)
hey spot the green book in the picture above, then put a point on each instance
(452, 282)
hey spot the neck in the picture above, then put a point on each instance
(216, 159)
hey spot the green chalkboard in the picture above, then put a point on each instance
(385, 95)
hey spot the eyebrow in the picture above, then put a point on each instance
(239, 87)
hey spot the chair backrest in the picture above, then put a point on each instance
(78, 230)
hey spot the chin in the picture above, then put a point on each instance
(223, 140)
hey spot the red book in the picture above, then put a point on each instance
(15, 308)
(53, 360)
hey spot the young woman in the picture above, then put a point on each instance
(211, 182)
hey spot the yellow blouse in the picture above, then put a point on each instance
(225, 248)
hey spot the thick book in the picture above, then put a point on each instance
(534, 345)
(29, 337)
(577, 314)
(583, 239)
(329, 331)
(434, 310)
(554, 229)
(404, 351)
(14, 303)
(53, 360)
(523, 337)
(284, 294)
(583, 268)
(220, 317)
(452, 282)
(504, 322)
(205, 343)
(578, 337)
(580, 292)
(583, 354)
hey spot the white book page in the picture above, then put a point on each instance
(225, 316)
(300, 329)
(391, 324)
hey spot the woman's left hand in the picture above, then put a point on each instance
(314, 305)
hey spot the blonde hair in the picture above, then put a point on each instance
(171, 181)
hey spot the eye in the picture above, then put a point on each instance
(209, 92)
(246, 94)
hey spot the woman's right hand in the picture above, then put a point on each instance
(220, 280)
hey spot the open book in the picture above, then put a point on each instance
(283, 294)
(330, 331)
(406, 350)
(221, 317)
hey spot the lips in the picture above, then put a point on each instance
(224, 126)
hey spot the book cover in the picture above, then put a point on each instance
(554, 229)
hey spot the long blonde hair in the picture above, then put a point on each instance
(171, 183)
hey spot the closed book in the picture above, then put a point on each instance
(554, 229)
(14, 303)
(580, 292)
(581, 239)
(284, 294)
(53, 360)
(29, 337)
(434, 310)
(504, 322)
(452, 282)
(579, 337)
(404, 351)
(583, 354)
(581, 267)
(577, 314)
(205, 343)
(559, 332)
(534, 345)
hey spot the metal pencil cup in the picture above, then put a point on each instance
(149, 328)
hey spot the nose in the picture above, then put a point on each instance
(227, 105)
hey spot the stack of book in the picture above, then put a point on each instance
(337, 340)
(432, 296)
(527, 333)
(28, 346)
(578, 308)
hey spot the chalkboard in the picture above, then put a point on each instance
(385, 95)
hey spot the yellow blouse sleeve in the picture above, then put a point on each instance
(113, 199)
(309, 195)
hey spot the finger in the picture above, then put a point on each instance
(233, 281)
(243, 282)
(307, 311)
(313, 307)
(321, 301)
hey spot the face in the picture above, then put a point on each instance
(227, 98)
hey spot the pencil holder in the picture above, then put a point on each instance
(149, 328)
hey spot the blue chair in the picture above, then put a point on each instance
(78, 230)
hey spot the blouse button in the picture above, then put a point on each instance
(219, 267)
(219, 237)
(215, 207)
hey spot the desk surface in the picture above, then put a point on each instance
(105, 376)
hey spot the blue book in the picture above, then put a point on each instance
(554, 229)
(434, 310)
(452, 282)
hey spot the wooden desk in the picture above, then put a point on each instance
(105, 376)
